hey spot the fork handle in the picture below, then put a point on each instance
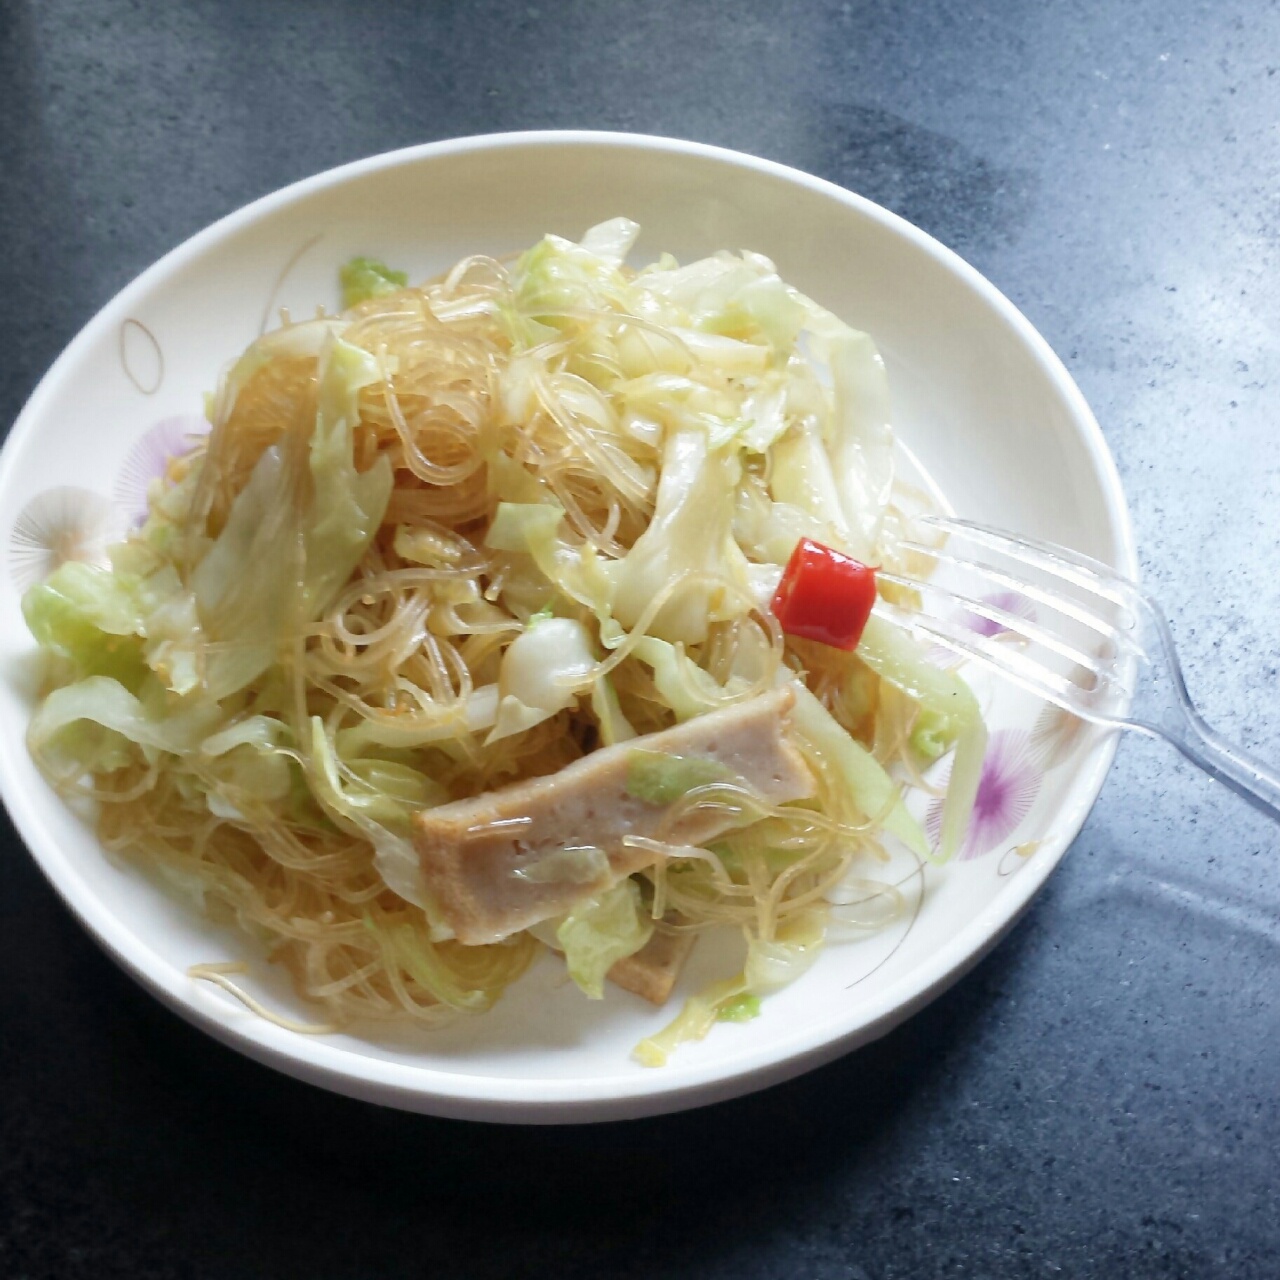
(1246, 776)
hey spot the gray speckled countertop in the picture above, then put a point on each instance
(1099, 1098)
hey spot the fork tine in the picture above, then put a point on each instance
(1024, 586)
(1072, 566)
(1025, 628)
(1007, 662)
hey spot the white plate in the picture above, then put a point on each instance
(977, 393)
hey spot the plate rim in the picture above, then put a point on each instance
(506, 1098)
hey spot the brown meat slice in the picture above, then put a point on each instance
(652, 972)
(476, 853)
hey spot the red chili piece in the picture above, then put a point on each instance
(825, 595)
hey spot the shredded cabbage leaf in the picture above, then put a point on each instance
(600, 931)
(365, 278)
(662, 779)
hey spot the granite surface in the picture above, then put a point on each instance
(1099, 1098)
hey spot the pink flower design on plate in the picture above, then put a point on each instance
(1009, 602)
(1008, 788)
(149, 459)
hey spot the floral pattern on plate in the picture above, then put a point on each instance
(149, 459)
(57, 525)
(1007, 791)
(1010, 602)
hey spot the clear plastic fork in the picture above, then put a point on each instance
(1070, 630)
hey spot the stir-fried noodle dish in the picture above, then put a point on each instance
(529, 608)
